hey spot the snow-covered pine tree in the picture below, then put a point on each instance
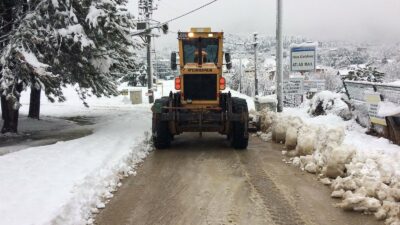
(86, 43)
(234, 81)
(138, 77)
(11, 13)
(109, 25)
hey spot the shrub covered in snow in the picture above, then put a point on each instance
(327, 102)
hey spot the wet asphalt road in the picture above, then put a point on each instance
(204, 181)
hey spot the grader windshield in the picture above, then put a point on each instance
(206, 48)
(200, 46)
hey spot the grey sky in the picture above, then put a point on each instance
(359, 20)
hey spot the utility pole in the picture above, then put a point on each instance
(255, 44)
(146, 9)
(279, 57)
(240, 75)
(149, 70)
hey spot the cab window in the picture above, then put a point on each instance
(207, 47)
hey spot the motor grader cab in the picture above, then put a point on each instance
(199, 105)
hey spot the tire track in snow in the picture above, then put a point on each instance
(281, 212)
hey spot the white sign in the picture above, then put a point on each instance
(373, 107)
(293, 86)
(293, 92)
(302, 59)
(318, 85)
(292, 100)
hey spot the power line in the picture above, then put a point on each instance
(190, 12)
(173, 19)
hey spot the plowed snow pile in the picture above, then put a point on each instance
(362, 170)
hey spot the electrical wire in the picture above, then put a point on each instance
(190, 12)
(173, 19)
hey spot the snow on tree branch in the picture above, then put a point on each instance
(59, 42)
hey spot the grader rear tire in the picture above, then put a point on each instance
(238, 128)
(161, 134)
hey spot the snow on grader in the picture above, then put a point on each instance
(199, 105)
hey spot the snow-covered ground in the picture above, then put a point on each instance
(66, 182)
(361, 169)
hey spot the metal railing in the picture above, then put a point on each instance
(356, 90)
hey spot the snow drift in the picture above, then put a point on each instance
(362, 170)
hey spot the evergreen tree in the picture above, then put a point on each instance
(11, 13)
(234, 81)
(86, 43)
(138, 77)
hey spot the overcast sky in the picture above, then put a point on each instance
(359, 20)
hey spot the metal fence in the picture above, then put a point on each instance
(356, 90)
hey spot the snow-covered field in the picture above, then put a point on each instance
(66, 182)
(362, 170)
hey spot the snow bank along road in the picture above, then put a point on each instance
(64, 182)
(204, 181)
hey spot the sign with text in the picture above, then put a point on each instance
(302, 59)
(293, 86)
(317, 85)
(373, 107)
(293, 92)
(292, 101)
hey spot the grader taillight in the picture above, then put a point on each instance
(177, 83)
(222, 83)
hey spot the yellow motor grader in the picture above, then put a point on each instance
(199, 105)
